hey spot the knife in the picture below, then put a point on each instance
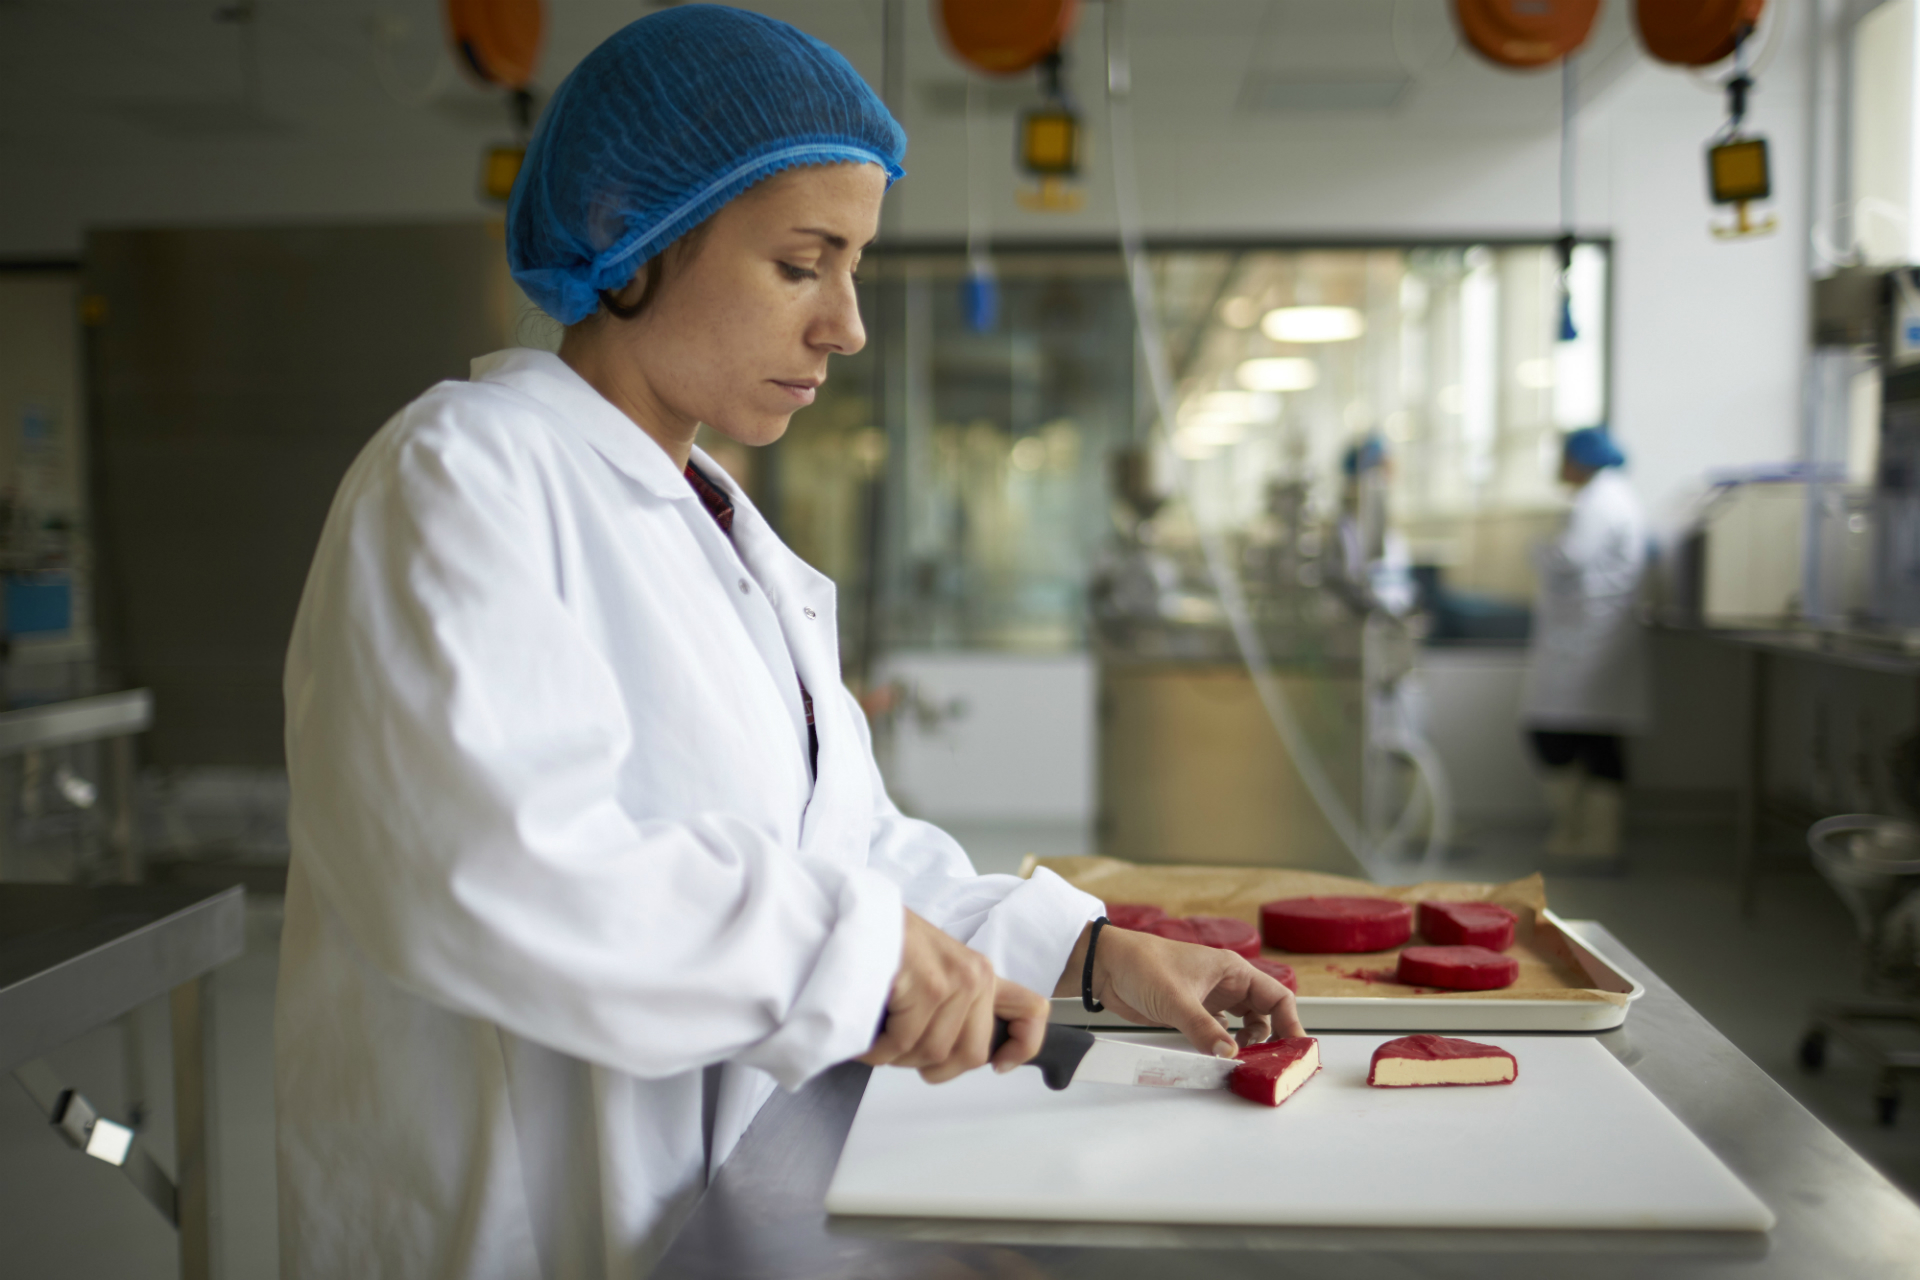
(1072, 1055)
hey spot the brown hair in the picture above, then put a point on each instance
(655, 271)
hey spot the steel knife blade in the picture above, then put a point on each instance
(1071, 1055)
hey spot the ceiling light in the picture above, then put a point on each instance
(1313, 324)
(1243, 406)
(1277, 373)
(1213, 428)
(1192, 448)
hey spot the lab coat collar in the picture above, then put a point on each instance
(545, 377)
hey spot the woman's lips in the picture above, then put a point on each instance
(801, 392)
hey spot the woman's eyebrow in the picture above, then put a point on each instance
(837, 241)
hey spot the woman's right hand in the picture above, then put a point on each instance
(940, 1015)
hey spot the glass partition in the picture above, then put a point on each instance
(965, 478)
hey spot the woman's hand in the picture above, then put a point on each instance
(940, 1015)
(1162, 983)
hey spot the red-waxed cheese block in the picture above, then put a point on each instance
(1457, 968)
(1269, 1073)
(1274, 969)
(1133, 915)
(1211, 931)
(1433, 1060)
(1467, 924)
(1321, 926)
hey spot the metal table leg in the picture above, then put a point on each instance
(193, 1091)
(1753, 793)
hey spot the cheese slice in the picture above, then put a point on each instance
(1418, 1060)
(1269, 1073)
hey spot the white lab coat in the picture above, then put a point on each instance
(556, 848)
(1588, 672)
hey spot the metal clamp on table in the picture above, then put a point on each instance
(73, 958)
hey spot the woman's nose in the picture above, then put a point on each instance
(838, 328)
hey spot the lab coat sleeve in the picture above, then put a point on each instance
(1027, 928)
(453, 737)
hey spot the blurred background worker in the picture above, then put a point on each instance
(1587, 685)
(1371, 566)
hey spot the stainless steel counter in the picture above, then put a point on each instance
(1838, 1217)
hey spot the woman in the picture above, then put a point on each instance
(590, 853)
(1587, 685)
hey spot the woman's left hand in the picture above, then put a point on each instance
(1161, 983)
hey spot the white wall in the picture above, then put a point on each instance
(132, 121)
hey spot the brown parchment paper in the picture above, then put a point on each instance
(1548, 968)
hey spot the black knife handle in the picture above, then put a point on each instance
(1060, 1052)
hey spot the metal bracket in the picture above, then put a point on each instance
(80, 1123)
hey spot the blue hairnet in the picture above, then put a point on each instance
(1363, 455)
(669, 119)
(1594, 449)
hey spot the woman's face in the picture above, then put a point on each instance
(740, 329)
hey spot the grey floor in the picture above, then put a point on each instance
(62, 1215)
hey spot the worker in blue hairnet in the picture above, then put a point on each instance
(1587, 685)
(590, 854)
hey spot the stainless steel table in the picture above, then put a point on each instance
(762, 1218)
(74, 957)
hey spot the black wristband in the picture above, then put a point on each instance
(1086, 972)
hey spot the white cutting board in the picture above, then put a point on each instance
(1575, 1142)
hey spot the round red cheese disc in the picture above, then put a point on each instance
(1322, 926)
(1274, 969)
(1211, 931)
(1133, 915)
(1457, 968)
(1467, 924)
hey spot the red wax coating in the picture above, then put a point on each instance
(1467, 924)
(1321, 926)
(1211, 931)
(1274, 969)
(1458, 968)
(1257, 1078)
(1429, 1048)
(1133, 915)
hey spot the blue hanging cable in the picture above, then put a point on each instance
(1567, 240)
(980, 291)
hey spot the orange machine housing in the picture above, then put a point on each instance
(1694, 33)
(1525, 33)
(499, 39)
(1004, 37)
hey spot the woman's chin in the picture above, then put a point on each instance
(754, 430)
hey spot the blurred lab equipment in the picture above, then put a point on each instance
(1873, 864)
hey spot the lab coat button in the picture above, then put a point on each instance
(744, 588)
(810, 613)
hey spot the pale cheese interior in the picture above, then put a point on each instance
(1297, 1074)
(1415, 1071)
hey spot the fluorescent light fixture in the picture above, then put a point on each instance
(1313, 324)
(1277, 373)
(1211, 430)
(1245, 406)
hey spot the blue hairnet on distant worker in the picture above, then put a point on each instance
(668, 120)
(590, 852)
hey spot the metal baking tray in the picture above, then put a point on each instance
(1419, 1013)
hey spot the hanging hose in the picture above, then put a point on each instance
(1218, 560)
